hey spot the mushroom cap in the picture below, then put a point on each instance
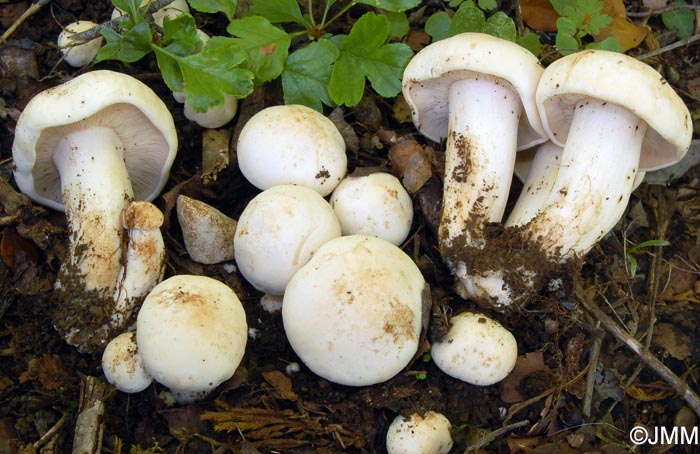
(622, 80)
(101, 98)
(292, 144)
(476, 350)
(375, 205)
(428, 76)
(81, 54)
(191, 333)
(122, 364)
(419, 434)
(353, 312)
(214, 117)
(278, 232)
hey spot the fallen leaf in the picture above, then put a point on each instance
(412, 164)
(525, 365)
(539, 15)
(13, 246)
(668, 337)
(651, 393)
(281, 383)
(629, 34)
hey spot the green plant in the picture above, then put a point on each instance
(578, 20)
(682, 21)
(630, 252)
(471, 17)
(321, 69)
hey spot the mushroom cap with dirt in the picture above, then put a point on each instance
(78, 55)
(418, 434)
(353, 313)
(375, 204)
(278, 232)
(122, 364)
(476, 350)
(478, 92)
(292, 144)
(191, 334)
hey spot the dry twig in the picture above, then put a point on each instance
(33, 8)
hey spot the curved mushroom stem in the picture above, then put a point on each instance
(96, 188)
(479, 161)
(596, 177)
(144, 259)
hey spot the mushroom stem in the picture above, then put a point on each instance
(479, 161)
(595, 179)
(96, 188)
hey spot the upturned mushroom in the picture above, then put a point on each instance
(89, 147)
(478, 92)
(292, 144)
(353, 313)
(191, 334)
(375, 204)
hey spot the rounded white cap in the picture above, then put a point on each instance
(81, 54)
(122, 365)
(429, 434)
(429, 74)
(623, 80)
(374, 205)
(278, 232)
(104, 98)
(191, 333)
(292, 144)
(216, 116)
(476, 350)
(353, 312)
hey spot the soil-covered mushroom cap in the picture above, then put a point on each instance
(292, 144)
(191, 333)
(429, 434)
(627, 82)
(428, 76)
(476, 349)
(353, 312)
(375, 205)
(278, 232)
(80, 54)
(122, 365)
(125, 105)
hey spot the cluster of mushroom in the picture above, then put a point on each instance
(609, 117)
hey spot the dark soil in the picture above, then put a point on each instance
(575, 387)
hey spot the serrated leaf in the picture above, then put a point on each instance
(562, 6)
(468, 18)
(307, 74)
(228, 7)
(488, 5)
(681, 21)
(277, 11)
(364, 54)
(180, 35)
(610, 43)
(392, 5)
(500, 26)
(128, 48)
(438, 25)
(566, 26)
(566, 44)
(267, 46)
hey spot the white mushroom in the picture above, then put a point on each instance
(89, 147)
(353, 312)
(207, 232)
(278, 232)
(476, 350)
(375, 204)
(478, 92)
(122, 365)
(429, 434)
(292, 144)
(78, 55)
(191, 334)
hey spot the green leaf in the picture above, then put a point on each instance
(500, 26)
(129, 6)
(398, 24)
(681, 21)
(566, 44)
(594, 20)
(267, 46)
(228, 7)
(468, 18)
(531, 42)
(307, 74)
(487, 5)
(392, 5)
(277, 11)
(128, 48)
(610, 43)
(364, 54)
(437, 25)
(566, 26)
(563, 6)
(180, 35)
